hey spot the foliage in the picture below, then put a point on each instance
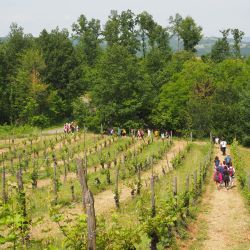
(190, 33)
(242, 174)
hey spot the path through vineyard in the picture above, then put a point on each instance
(226, 218)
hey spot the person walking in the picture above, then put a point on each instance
(231, 174)
(223, 145)
(226, 178)
(228, 160)
(217, 178)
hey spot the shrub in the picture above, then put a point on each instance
(246, 141)
(41, 121)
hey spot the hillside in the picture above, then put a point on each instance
(206, 44)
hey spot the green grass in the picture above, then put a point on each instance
(245, 154)
(7, 131)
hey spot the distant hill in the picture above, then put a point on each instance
(205, 45)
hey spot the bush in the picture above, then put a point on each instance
(40, 121)
(246, 141)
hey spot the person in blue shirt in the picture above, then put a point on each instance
(228, 160)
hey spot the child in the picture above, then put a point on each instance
(231, 171)
(217, 178)
(226, 177)
(216, 161)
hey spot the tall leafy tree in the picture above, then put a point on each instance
(28, 91)
(190, 33)
(121, 30)
(63, 70)
(146, 26)
(121, 92)
(221, 49)
(88, 36)
(175, 27)
(10, 53)
(237, 36)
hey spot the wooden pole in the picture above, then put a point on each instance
(154, 237)
(83, 181)
(55, 179)
(20, 175)
(116, 197)
(72, 188)
(195, 183)
(4, 194)
(187, 194)
(91, 220)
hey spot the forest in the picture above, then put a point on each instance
(124, 74)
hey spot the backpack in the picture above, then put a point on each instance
(228, 160)
(217, 176)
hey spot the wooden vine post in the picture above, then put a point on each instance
(201, 178)
(72, 188)
(4, 193)
(55, 181)
(187, 194)
(153, 234)
(175, 191)
(22, 203)
(83, 181)
(91, 220)
(116, 197)
(139, 185)
(20, 175)
(195, 183)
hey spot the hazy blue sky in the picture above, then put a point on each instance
(34, 15)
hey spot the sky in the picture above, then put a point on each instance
(35, 15)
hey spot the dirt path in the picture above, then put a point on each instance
(226, 217)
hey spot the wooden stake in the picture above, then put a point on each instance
(4, 194)
(55, 180)
(91, 220)
(83, 181)
(116, 197)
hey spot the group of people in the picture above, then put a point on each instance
(70, 127)
(224, 172)
(139, 133)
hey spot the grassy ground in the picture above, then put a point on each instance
(245, 154)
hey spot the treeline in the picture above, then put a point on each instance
(125, 74)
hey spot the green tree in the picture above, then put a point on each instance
(146, 26)
(232, 77)
(221, 49)
(87, 34)
(120, 93)
(175, 27)
(10, 51)
(63, 71)
(29, 93)
(237, 36)
(121, 30)
(190, 33)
